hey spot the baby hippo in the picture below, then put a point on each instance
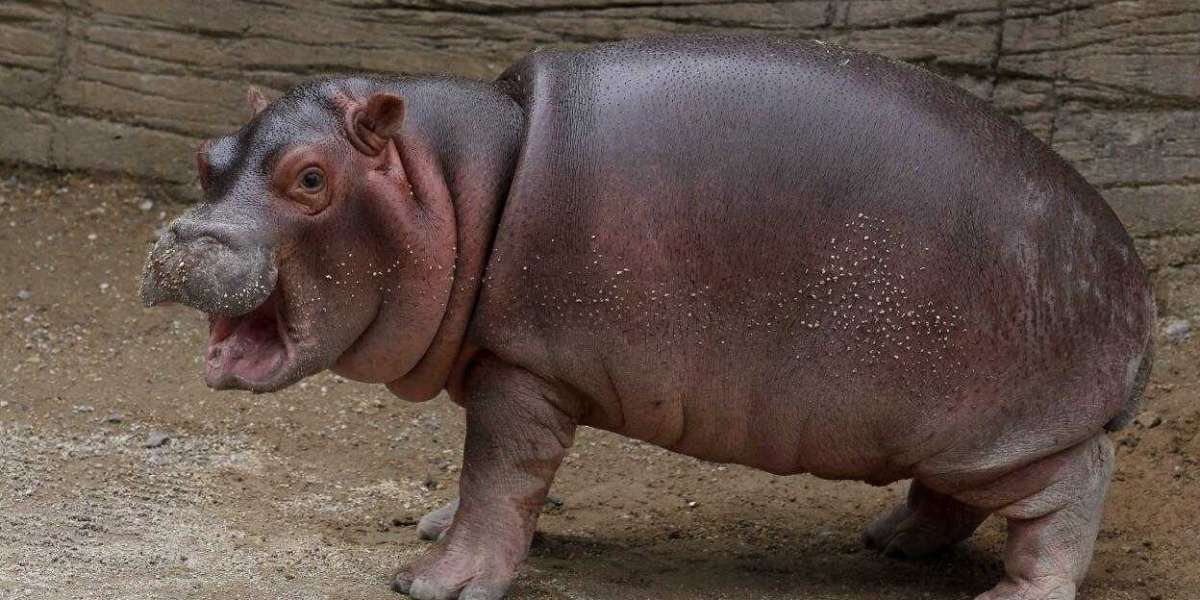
(775, 253)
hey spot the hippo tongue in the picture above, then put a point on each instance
(249, 347)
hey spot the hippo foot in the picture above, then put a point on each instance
(456, 570)
(926, 523)
(434, 525)
(1050, 588)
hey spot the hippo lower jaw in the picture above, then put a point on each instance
(253, 351)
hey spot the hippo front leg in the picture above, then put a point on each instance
(517, 435)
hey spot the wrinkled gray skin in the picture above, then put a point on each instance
(773, 253)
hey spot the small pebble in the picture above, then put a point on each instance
(156, 439)
(24, 294)
(146, 205)
(1149, 419)
(114, 419)
(1177, 330)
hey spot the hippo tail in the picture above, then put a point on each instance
(1133, 404)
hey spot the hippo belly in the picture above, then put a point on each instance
(803, 259)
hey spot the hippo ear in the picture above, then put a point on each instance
(374, 124)
(256, 100)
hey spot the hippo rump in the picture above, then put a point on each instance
(776, 253)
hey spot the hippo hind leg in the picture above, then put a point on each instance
(926, 523)
(1053, 508)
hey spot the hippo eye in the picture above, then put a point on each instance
(312, 180)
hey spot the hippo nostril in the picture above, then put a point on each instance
(190, 235)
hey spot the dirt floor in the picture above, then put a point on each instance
(122, 476)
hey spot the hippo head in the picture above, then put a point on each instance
(310, 249)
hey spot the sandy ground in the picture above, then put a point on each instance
(313, 492)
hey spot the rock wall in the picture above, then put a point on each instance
(132, 85)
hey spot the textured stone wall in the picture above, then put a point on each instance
(132, 85)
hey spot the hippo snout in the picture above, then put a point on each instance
(207, 268)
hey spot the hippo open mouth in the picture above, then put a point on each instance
(248, 349)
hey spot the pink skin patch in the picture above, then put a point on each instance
(251, 347)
